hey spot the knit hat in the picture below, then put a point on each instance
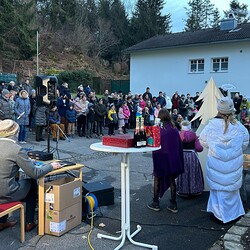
(225, 106)
(5, 92)
(8, 128)
(185, 125)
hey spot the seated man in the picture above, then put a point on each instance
(55, 125)
(12, 158)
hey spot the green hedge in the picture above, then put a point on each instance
(75, 78)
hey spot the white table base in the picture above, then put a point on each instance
(125, 210)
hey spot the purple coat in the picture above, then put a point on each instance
(169, 159)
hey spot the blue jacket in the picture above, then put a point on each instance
(22, 105)
(71, 115)
(62, 106)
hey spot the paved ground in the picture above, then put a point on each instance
(190, 228)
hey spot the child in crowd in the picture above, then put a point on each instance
(121, 117)
(112, 119)
(244, 113)
(71, 118)
(56, 127)
(126, 113)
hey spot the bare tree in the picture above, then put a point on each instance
(104, 38)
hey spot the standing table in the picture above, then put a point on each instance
(41, 192)
(125, 193)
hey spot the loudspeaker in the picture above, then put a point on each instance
(46, 89)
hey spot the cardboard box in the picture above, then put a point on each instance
(59, 222)
(246, 161)
(62, 193)
(123, 141)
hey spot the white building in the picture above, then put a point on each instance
(185, 61)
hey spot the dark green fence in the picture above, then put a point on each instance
(5, 77)
(100, 85)
(120, 85)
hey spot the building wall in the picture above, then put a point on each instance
(168, 70)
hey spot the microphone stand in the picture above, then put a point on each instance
(58, 127)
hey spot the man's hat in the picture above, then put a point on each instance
(8, 128)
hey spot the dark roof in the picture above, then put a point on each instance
(183, 39)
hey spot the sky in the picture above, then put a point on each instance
(178, 13)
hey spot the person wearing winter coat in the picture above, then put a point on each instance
(112, 119)
(81, 108)
(12, 158)
(225, 138)
(183, 106)
(100, 112)
(62, 104)
(191, 182)
(244, 114)
(126, 113)
(90, 120)
(167, 163)
(71, 118)
(168, 102)
(32, 99)
(56, 127)
(40, 114)
(121, 117)
(22, 111)
(6, 107)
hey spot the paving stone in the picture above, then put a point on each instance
(232, 238)
(228, 245)
(237, 230)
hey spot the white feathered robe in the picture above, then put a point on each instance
(224, 167)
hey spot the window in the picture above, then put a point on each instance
(197, 65)
(220, 64)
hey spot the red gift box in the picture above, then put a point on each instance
(153, 136)
(123, 141)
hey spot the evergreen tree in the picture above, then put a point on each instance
(239, 10)
(104, 7)
(200, 15)
(120, 26)
(208, 10)
(90, 13)
(216, 18)
(147, 20)
(17, 33)
(56, 14)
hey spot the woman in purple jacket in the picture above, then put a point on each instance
(191, 182)
(167, 162)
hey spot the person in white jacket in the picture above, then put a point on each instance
(225, 138)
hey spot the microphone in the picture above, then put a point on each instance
(20, 115)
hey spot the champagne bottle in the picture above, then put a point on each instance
(137, 136)
(143, 134)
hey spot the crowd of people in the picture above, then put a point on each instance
(86, 115)
(175, 165)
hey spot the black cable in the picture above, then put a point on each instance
(167, 224)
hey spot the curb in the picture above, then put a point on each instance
(232, 240)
